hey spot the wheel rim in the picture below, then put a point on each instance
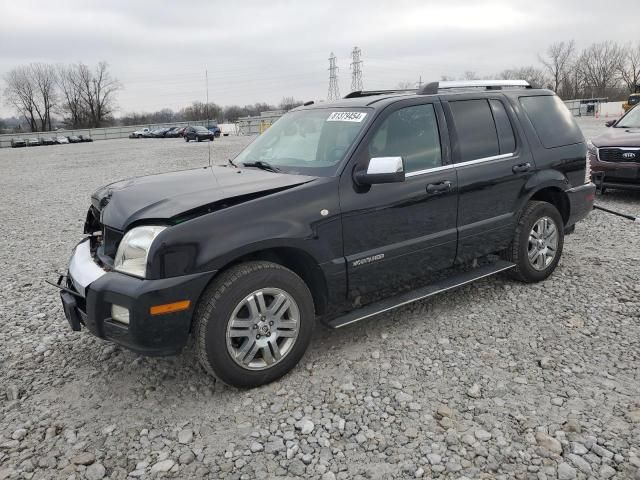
(263, 329)
(543, 243)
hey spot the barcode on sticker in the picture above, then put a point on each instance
(346, 117)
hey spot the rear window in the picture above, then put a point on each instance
(477, 137)
(551, 120)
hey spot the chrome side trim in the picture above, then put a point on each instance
(485, 159)
(461, 164)
(429, 170)
(82, 269)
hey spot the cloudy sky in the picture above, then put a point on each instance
(264, 50)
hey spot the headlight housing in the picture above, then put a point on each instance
(131, 257)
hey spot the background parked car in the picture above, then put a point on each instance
(215, 129)
(159, 132)
(47, 141)
(18, 142)
(60, 139)
(173, 133)
(74, 139)
(85, 138)
(198, 134)
(139, 133)
(33, 142)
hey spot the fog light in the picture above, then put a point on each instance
(120, 314)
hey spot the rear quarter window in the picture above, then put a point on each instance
(552, 121)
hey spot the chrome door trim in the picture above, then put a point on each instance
(461, 164)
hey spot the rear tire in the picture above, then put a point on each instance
(253, 324)
(537, 243)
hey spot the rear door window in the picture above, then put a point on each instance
(475, 128)
(506, 138)
(551, 120)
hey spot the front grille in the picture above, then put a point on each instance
(619, 155)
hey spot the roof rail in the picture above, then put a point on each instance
(435, 87)
(369, 93)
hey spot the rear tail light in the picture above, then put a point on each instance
(592, 156)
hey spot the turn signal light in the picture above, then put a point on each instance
(170, 307)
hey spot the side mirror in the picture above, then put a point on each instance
(610, 123)
(381, 170)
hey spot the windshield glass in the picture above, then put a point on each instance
(631, 119)
(309, 142)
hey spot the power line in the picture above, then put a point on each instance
(356, 70)
(334, 90)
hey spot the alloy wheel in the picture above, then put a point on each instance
(263, 329)
(543, 243)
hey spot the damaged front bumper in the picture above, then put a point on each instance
(88, 293)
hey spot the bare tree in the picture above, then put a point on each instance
(20, 94)
(600, 64)
(404, 85)
(535, 76)
(30, 90)
(630, 67)
(71, 89)
(470, 75)
(558, 62)
(44, 81)
(287, 103)
(98, 89)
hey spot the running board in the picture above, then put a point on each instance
(421, 293)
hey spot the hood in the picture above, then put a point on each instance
(185, 194)
(618, 137)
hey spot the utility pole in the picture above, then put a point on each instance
(356, 70)
(334, 90)
(419, 83)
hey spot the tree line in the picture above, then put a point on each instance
(605, 69)
(84, 96)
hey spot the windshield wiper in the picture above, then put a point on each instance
(231, 163)
(261, 165)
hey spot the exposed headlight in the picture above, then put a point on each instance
(131, 256)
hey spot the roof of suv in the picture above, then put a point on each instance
(382, 98)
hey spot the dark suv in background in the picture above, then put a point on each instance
(328, 216)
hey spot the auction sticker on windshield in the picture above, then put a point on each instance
(346, 116)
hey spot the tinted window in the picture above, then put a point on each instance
(505, 130)
(410, 133)
(477, 137)
(551, 120)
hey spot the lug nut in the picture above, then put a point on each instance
(257, 336)
(271, 322)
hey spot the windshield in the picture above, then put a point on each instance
(631, 119)
(309, 142)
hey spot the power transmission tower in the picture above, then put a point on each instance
(356, 70)
(334, 90)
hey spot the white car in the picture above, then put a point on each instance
(140, 133)
(61, 139)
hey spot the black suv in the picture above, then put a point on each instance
(328, 216)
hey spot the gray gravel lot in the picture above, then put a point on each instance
(495, 380)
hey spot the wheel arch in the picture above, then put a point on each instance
(549, 186)
(296, 260)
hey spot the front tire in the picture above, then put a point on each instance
(537, 243)
(253, 324)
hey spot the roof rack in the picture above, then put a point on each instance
(435, 87)
(369, 93)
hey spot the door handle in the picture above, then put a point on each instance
(523, 167)
(438, 188)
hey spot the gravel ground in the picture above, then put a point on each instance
(495, 380)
